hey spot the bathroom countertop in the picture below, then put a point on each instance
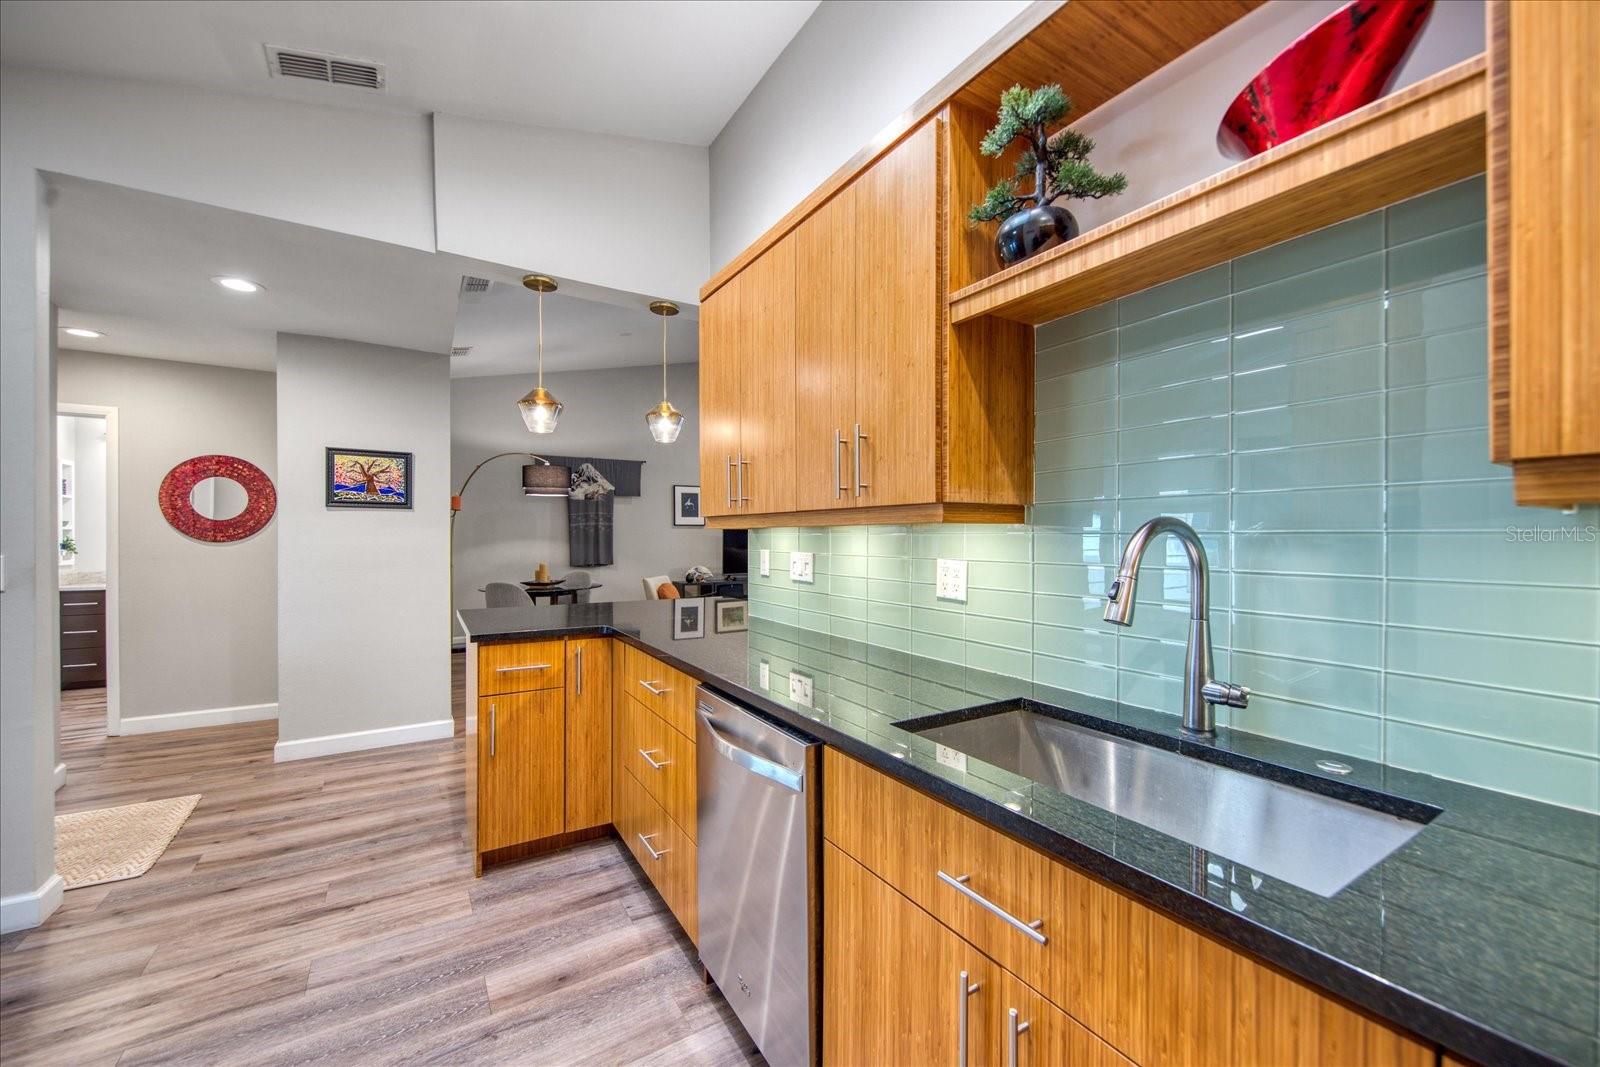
(1482, 933)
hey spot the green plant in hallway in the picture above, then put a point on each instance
(69, 547)
(1059, 165)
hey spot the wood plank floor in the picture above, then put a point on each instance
(325, 910)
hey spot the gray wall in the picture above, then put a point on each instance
(358, 588)
(846, 75)
(502, 535)
(197, 626)
(28, 607)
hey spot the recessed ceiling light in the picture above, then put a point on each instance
(238, 285)
(79, 331)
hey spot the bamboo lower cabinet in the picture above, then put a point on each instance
(1113, 982)
(542, 731)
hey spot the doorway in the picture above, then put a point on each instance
(86, 518)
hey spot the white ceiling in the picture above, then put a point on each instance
(664, 71)
(138, 267)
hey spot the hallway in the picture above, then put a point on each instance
(325, 910)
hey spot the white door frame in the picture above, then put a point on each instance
(113, 630)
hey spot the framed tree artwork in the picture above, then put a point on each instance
(367, 478)
(686, 506)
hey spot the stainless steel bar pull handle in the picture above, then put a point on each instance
(838, 466)
(80, 603)
(960, 886)
(80, 631)
(860, 485)
(964, 991)
(654, 765)
(577, 666)
(1015, 1030)
(728, 473)
(743, 463)
(68, 666)
(491, 729)
(654, 689)
(644, 839)
(528, 667)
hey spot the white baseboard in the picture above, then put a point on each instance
(332, 744)
(60, 775)
(27, 910)
(189, 720)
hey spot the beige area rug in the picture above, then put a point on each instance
(110, 844)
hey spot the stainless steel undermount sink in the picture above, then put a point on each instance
(1318, 842)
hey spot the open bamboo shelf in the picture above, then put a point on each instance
(1425, 136)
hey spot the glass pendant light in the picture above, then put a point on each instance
(540, 409)
(664, 420)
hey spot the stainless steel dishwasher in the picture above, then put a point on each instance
(758, 840)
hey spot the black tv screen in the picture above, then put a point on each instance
(735, 551)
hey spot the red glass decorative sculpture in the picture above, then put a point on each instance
(1343, 62)
(176, 498)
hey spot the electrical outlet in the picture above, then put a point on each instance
(800, 567)
(949, 757)
(800, 688)
(950, 580)
(766, 675)
(766, 563)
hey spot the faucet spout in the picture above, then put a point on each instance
(1200, 690)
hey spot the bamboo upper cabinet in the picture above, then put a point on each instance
(854, 401)
(867, 330)
(1544, 248)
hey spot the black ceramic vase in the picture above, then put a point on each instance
(1034, 230)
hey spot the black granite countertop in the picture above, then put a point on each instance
(1482, 933)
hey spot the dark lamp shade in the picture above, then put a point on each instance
(545, 479)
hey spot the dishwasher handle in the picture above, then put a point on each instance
(788, 778)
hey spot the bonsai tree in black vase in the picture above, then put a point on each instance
(1060, 168)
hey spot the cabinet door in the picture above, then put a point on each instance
(892, 985)
(825, 351)
(898, 324)
(588, 732)
(765, 482)
(521, 757)
(720, 399)
(1042, 1035)
(1544, 249)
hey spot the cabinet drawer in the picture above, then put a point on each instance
(952, 865)
(82, 668)
(662, 760)
(91, 603)
(521, 667)
(667, 692)
(82, 631)
(662, 849)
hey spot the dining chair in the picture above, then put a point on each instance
(580, 581)
(505, 595)
(652, 584)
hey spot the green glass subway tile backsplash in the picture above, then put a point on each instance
(1318, 410)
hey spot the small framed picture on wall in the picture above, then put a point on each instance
(688, 618)
(365, 478)
(686, 506)
(731, 616)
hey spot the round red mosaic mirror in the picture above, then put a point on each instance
(176, 497)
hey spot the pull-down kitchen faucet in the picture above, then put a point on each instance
(1200, 690)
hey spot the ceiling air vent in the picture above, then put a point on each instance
(469, 284)
(322, 67)
(460, 350)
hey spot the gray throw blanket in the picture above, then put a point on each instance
(589, 528)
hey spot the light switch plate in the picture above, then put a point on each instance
(766, 563)
(800, 688)
(766, 675)
(950, 580)
(949, 757)
(800, 567)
